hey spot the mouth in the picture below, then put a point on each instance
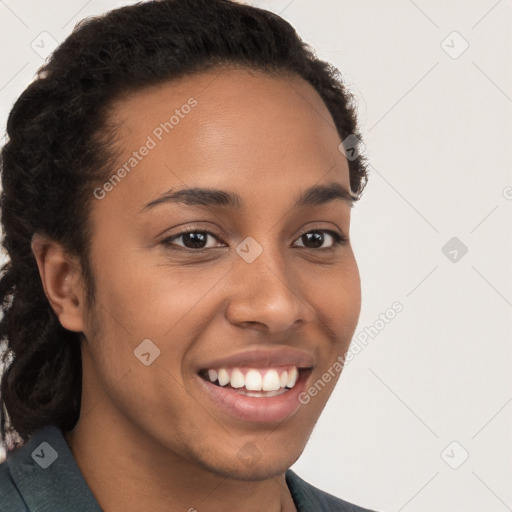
(254, 382)
(260, 395)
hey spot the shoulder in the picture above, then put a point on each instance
(42, 476)
(309, 498)
(11, 499)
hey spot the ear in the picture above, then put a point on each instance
(62, 282)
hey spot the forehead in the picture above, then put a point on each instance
(229, 128)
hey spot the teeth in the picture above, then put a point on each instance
(292, 378)
(253, 380)
(237, 378)
(271, 381)
(267, 394)
(223, 377)
(267, 381)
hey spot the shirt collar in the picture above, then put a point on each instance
(49, 479)
(47, 475)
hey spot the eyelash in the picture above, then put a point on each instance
(338, 239)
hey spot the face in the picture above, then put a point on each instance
(248, 284)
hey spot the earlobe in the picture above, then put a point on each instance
(61, 280)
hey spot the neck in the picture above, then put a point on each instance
(128, 470)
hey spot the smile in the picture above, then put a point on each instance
(259, 395)
(254, 382)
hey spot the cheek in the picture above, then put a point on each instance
(137, 301)
(350, 298)
(149, 297)
(335, 293)
(336, 296)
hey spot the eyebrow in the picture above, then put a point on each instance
(212, 197)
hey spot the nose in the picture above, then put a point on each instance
(267, 295)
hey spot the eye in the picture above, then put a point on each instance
(197, 240)
(193, 239)
(315, 239)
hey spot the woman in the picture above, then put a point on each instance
(176, 201)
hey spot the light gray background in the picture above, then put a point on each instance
(438, 134)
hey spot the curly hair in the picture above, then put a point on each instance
(60, 145)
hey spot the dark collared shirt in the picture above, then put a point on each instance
(43, 476)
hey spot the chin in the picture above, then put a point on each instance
(254, 473)
(249, 464)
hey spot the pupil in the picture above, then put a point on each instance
(315, 237)
(197, 240)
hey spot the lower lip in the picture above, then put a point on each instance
(257, 409)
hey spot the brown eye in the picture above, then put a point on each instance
(191, 239)
(197, 240)
(315, 239)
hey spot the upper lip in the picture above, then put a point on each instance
(262, 358)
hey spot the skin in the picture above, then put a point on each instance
(148, 437)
